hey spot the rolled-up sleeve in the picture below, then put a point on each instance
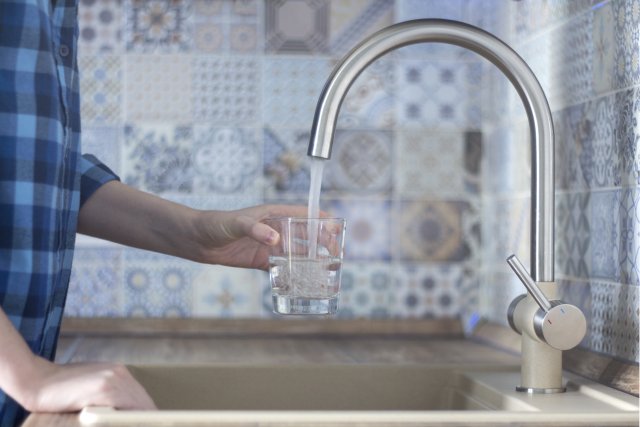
(94, 174)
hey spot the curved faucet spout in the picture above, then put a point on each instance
(508, 61)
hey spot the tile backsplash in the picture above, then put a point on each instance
(210, 102)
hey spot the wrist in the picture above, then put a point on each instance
(28, 377)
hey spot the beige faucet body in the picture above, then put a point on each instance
(541, 363)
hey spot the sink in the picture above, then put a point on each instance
(362, 394)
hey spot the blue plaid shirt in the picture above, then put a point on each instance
(43, 177)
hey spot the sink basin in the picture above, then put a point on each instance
(362, 394)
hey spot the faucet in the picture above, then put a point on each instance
(547, 326)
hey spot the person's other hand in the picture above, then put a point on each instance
(239, 238)
(67, 388)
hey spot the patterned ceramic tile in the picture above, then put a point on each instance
(498, 288)
(104, 143)
(473, 158)
(368, 228)
(100, 26)
(298, 26)
(562, 61)
(226, 161)
(226, 90)
(605, 235)
(573, 129)
(353, 20)
(573, 235)
(604, 48)
(95, 289)
(101, 89)
(429, 290)
(366, 291)
(286, 164)
(156, 285)
(429, 163)
(157, 158)
(162, 26)
(600, 160)
(158, 87)
(613, 321)
(226, 26)
(507, 232)
(630, 236)
(534, 16)
(431, 94)
(430, 231)
(227, 292)
(291, 89)
(627, 134)
(361, 162)
(627, 16)
(370, 102)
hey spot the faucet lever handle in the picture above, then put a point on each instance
(529, 283)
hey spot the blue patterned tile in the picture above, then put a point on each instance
(613, 320)
(286, 164)
(368, 228)
(429, 290)
(104, 143)
(630, 236)
(605, 235)
(366, 291)
(573, 134)
(361, 162)
(100, 27)
(562, 60)
(370, 101)
(351, 21)
(604, 48)
(163, 26)
(431, 94)
(226, 161)
(573, 235)
(157, 158)
(227, 292)
(627, 16)
(226, 89)
(291, 89)
(158, 88)
(297, 26)
(627, 134)
(498, 290)
(429, 163)
(95, 289)
(226, 26)
(430, 231)
(101, 89)
(156, 285)
(508, 231)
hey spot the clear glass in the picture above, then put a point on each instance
(305, 267)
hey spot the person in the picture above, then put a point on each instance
(49, 191)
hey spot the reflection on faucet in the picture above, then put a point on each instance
(542, 364)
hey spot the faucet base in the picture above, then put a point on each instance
(541, 390)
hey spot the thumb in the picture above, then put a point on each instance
(248, 226)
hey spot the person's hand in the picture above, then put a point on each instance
(66, 388)
(239, 238)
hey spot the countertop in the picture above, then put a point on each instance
(342, 346)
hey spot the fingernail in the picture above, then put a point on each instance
(272, 238)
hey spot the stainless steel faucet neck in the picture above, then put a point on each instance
(513, 67)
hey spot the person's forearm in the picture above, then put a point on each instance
(16, 360)
(124, 215)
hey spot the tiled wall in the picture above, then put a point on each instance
(210, 103)
(586, 56)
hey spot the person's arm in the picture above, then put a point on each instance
(124, 215)
(41, 386)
